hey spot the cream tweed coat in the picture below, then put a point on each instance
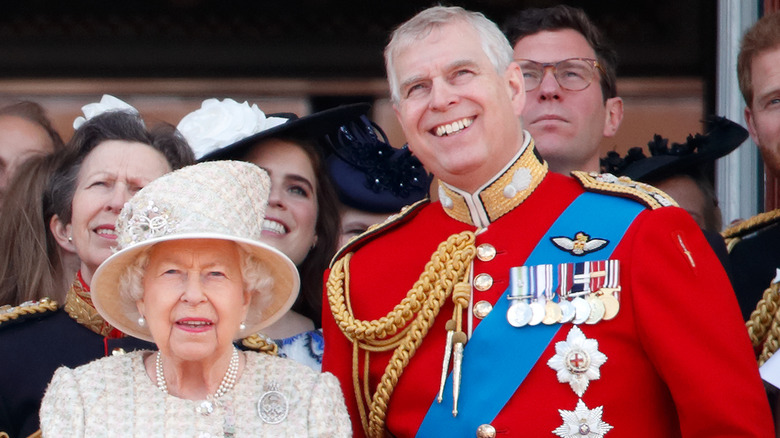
(114, 397)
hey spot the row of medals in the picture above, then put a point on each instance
(533, 300)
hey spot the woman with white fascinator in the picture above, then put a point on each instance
(191, 276)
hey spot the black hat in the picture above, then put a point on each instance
(368, 173)
(722, 137)
(233, 139)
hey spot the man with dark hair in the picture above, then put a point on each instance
(754, 243)
(570, 110)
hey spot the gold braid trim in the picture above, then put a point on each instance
(764, 323)
(625, 187)
(260, 344)
(449, 266)
(8, 313)
(500, 196)
(735, 233)
(78, 304)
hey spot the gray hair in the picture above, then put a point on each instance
(256, 279)
(494, 43)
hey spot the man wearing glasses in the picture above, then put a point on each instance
(569, 73)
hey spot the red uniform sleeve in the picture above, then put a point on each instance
(691, 329)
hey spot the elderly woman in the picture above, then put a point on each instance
(192, 276)
(302, 219)
(111, 156)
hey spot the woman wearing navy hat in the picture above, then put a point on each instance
(373, 180)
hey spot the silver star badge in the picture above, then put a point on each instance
(582, 423)
(577, 360)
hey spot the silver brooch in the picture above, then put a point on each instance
(205, 408)
(272, 406)
(582, 422)
(577, 360)
(145, 223)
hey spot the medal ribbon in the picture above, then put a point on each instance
(498, 357)
(598, 275)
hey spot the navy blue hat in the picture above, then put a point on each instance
(368, 173)
(722, 137)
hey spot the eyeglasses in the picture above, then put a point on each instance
(573, 74)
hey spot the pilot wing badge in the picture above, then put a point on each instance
(580, 245)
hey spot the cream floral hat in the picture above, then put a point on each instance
(223, 200)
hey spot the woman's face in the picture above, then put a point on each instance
(291, 219)
(113, 172)
(194, 299)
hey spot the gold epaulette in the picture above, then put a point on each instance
(261, 344)
(377, 229)
(625, 187)
(11, 314)
(735, 233)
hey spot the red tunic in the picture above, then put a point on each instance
(679, 362)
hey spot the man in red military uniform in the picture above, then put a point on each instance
(527, 303)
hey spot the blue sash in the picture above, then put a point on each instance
(506, 354)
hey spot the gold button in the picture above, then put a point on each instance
(117, 351)
(483, 282)
(486, 431)
(486, 252)
(482, 309)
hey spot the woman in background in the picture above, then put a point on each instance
(373, 180)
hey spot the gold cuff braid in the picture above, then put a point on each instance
(449, 266)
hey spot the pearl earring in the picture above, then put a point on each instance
(242, 326)
(141, 321)
(70, 239)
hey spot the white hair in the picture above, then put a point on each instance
(494, 43)
(254, 273)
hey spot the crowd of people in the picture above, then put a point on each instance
(239, 273)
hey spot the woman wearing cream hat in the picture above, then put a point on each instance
(191, 276)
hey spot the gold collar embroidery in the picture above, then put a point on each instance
(78, 304)
(501, 195)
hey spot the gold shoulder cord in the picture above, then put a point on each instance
(764, 323)
(449, 266)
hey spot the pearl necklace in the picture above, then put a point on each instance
(228, 382)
